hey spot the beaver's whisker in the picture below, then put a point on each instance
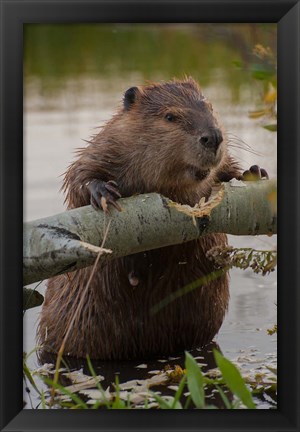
(234, 138)
(236, 146)
(236, 142)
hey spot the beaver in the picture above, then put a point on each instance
(164, 138)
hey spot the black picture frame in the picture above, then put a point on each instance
(14, 14)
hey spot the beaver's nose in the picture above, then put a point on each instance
(212, 139)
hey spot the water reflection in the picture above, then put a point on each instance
(53, 52)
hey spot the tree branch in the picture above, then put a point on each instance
(70, 240)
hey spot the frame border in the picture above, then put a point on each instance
(15, 13)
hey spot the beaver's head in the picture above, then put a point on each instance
(173, 124)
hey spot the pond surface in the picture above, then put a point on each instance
(67, 97)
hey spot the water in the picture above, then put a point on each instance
(61, 109)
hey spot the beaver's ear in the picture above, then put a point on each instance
(130, 97)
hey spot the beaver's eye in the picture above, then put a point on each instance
(170, 117)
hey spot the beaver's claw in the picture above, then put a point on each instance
(254, 173)
(104, 193)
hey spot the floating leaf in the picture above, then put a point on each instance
(64, 390)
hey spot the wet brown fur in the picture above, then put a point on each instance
(143, 152)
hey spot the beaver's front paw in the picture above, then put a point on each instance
(104, 193)
(254, 173)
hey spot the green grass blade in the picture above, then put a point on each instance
(161, 402)
(98, 385)
(179, 391)
(195, 380)
(73, 396)
(28, 375)
(224, 397)
(234, 380)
